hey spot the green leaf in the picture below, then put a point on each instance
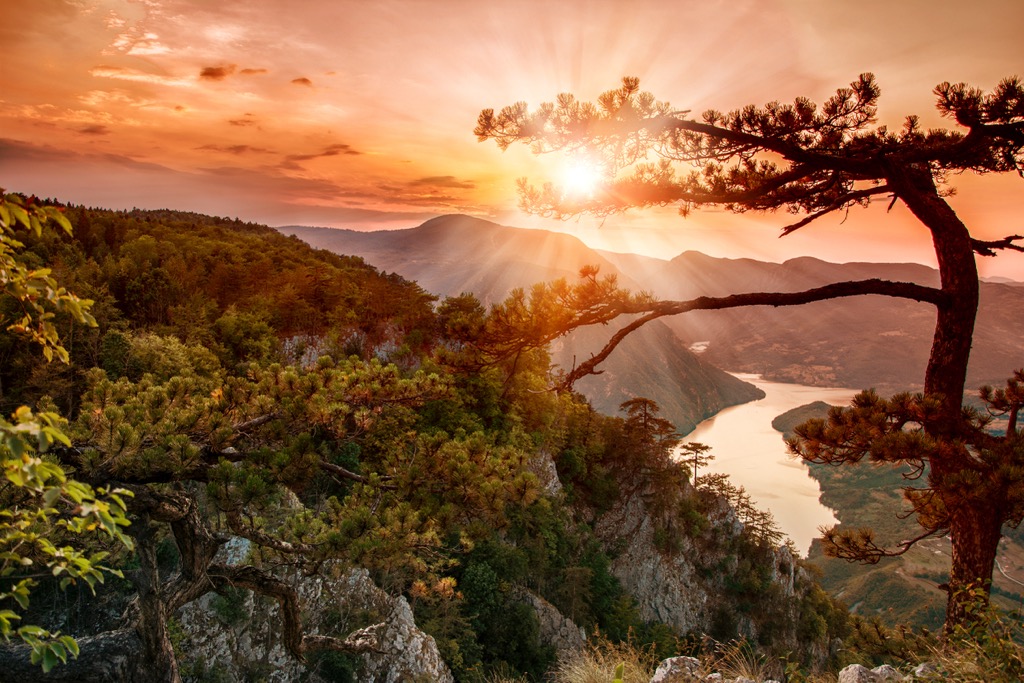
(71, 644)
(62, 220)
(49, 660)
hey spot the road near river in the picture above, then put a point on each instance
(754, 456)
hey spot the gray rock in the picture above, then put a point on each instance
(887, 673)
(925, 670)
(855, 673)
(249, 645)
(542, 465)
(555, 628)
(677, 670)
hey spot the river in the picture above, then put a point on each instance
(753, 454)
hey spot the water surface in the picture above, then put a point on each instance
(753, 454)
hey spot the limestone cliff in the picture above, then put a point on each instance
(710, 576)
(240, 640)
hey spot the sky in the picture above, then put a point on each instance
(360, 113)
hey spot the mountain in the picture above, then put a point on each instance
(868, 341)
(455, 254)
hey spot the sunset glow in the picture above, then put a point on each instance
(581, 178)
(360, 114)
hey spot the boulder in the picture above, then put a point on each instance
(856, 673)
(677, 670)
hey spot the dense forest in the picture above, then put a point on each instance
(240, 384)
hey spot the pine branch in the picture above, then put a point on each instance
(839, 203)
(987, 248)
(660, 309)
(860, 546)
(292, 631)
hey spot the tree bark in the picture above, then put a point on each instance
(975, 526)
(158, 653)
(975, 529)
(946, 374)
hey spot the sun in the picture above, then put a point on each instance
(581, 178)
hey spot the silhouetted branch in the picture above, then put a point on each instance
(988, 247)
(845, 200)
(660, 309)
(860, 546)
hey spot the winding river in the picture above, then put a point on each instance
(753, 454)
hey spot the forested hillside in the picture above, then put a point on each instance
(240, 386)
(450, 255)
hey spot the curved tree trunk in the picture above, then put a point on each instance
(158, 653)
(975, 525)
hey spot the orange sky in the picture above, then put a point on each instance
(359, 113)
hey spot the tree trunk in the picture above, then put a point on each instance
(975, 530)
(158, 653)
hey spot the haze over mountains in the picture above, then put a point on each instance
(859, 342)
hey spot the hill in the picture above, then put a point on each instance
(868, 341)
(451, 255)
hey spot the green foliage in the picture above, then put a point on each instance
(212, 389)
(48, 521)
(229, 606)
(987, 647)
(36, 291)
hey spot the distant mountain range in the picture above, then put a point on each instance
(456, 254)
(869, 341)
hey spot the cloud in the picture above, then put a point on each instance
(291, 162)
(302, 81)
(252, 72)
(217, 73)
(94, 129)
(442, 181)
(260, 195)
(246, 120)
(236, 149)
(123, 74)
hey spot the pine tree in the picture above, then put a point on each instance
(815, 161)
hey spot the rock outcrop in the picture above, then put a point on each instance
(705, 578)
(555, 628)
(690, 670)
(238, 638)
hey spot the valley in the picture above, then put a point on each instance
(862, 342)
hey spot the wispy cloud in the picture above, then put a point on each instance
(292, 161)
(94, 129)
(236, 149)
(302, 81)
(126, 74)
(252, 72)
(246, 120)
(447, 181)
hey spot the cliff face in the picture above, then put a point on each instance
(708, 577)
(240, 640)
